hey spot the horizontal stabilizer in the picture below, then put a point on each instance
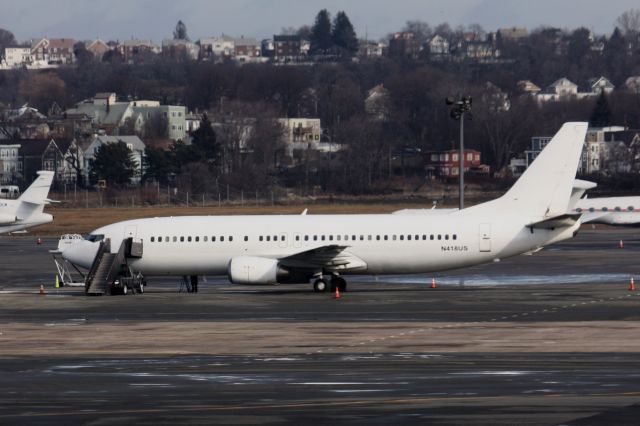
(565, 220)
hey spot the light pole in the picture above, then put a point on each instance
(459, 108)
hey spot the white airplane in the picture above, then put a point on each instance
(26, 211)
(325, 248)
(618, 211)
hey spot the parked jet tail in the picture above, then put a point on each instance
(544, 190)
(34, 198)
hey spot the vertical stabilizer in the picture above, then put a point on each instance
(35, 197)
(544, 189)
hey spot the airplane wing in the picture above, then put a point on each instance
(592, 216)
(331, 257)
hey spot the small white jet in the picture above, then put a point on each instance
(324, 248)
(27, 210)
(617, 211)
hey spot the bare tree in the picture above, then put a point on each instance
(629, 22)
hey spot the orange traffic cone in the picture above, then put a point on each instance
(632, 285)
(621, 244)
(41, 289)
(337, 296)
(39, 241)
(433, 283)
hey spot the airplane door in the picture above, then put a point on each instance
(130, 231)
(485, 237)
(283, 240)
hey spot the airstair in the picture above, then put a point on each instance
(110, 272)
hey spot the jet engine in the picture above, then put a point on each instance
(6, 219)
(256, 270)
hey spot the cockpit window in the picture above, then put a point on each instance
(94, 238)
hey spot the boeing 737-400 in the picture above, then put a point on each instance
(324, 248)
(26, 211)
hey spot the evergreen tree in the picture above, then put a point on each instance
(205, 139)
(158, 164)
(343, 34)
(114, 162)
(180, 33)
(601, 115)
(321, 33)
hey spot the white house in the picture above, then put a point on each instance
(10, 164)
(17, 56)
(438, 46)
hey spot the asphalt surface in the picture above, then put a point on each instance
(535, 340)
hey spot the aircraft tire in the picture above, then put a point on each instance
(320, 286)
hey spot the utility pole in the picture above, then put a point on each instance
(460, 108)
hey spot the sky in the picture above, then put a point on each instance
(156, 19)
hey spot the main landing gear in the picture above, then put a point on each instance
(336, 281)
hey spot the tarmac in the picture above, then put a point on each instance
(546, 339)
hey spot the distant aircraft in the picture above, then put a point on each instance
(325, 248)
(26, 211)
(618, 211)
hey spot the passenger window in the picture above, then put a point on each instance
(353, 238)
(204, 238)
(221, 238)
(268, 237)
(330, 237)
(182, 239)
(315, 238)
(591, 209)
(618, 209)
(322, 237)
(630, 208)
(189, 239)
(446, 237)
(275, 238)
(439, 237)
(377, 237)
(175, 239)
(579, 210)
(409, 237)
(369, 237)
(604, 209)
(153, 239)
(386, 237)
(431, 237)
(306, 238)
(401, 237)
(297, 237)
(394, 238)
(424, 237)
(197, 239)
(246, 238)
(455, 237)
(346, 238)
(338, 237)
(361, 237)
(417, 237)
(230, 238)
(213, 239)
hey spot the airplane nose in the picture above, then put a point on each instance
(81, 253)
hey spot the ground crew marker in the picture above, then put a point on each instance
(337, 296)
(41, 289)
(433, 283)
(621, 244)
(632, 285)
(57, 282)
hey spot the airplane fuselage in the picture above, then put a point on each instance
(385, 244)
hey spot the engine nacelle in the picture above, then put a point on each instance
(6, 219)
(256, 270)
